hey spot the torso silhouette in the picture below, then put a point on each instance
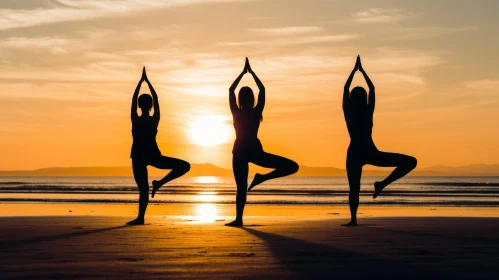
(360, 127)
(144, 130)
(246, 124)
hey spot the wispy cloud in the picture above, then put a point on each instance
(74, 10)
(388, 59)
(240, 44)
(53, 44)
(485, 84)
(324, 39)
(294, 40)
(286, 31)
(377, 15)
(417, 33)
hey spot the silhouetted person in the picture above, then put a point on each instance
(145, 150)
(358, 113)
(247, 147)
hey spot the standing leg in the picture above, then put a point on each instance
(283, 167)
(178, 168)
(403, 163)
(140, 175)
(354, 172)
(240, 169)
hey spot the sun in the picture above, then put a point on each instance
(209, 130)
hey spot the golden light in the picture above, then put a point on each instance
(207, 180)
(206, 197)
(209, 130)
(206, 213)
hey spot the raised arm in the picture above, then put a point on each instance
(133, 114)
(372, 95)
(346, 89)
(232, 92)
(261, 95)
(154, 98)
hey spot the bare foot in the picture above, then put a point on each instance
(351, 224)
(136, 222)
(155, 187)
(257, 180)
(378, 187)
(235, 223)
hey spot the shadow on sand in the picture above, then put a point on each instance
(39, 239)
(306, 260)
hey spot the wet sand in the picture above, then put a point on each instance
(184, 241)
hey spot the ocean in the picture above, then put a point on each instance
(455, 191)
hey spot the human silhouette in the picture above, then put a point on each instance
(358, 110)
(247, 147)
(145, 150)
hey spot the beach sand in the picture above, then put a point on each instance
(189, 241)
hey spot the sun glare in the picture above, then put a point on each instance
(207, 180)
(206, 213)
(209, 130)
(206, 197)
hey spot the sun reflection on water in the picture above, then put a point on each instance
(206, 197)
(206, 180)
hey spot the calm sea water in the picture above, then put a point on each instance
(477, 191)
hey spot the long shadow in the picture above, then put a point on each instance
(306, 260)
(419, 233)
(10, 244)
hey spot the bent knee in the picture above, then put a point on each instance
(293, 167)
(185, 166)
(412, 162)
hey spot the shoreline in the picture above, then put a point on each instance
(216, 211)
(373, 204)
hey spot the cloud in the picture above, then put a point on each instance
(240, 44)
(483, 84)
(383, 15)
(323, 39)
(74, 10)
(388, 59)
(417, 33)
(294, 38)
(54, 44)
(286, 31)
(294, 41)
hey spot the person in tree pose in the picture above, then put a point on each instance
(247, 147)
(358, 109)
(145, 150)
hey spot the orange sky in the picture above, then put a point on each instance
(68, 70)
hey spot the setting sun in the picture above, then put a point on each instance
(209, 130)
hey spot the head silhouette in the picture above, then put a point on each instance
(358, 99)
(246, 98)
(145, 102)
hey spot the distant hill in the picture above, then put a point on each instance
(468, 170)
(208, 169)
(196, 170)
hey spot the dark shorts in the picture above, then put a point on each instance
(361, 154)
(247, 149)
(145, 159)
